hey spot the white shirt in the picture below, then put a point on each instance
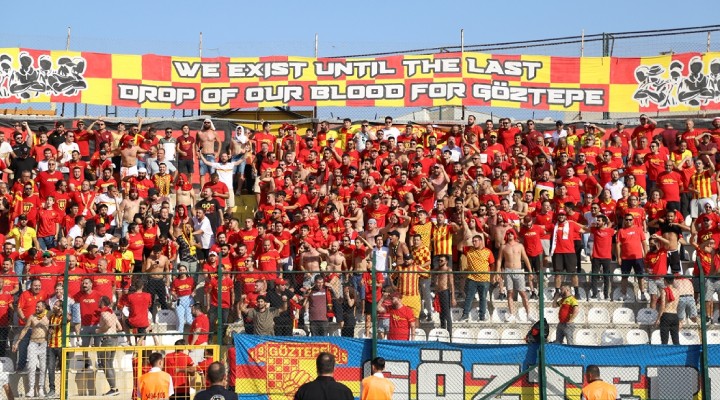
(5, 150)
(98, 241)
(615, 189)
(391, 132)
(206, 237)
(42, 166)
(379, 256)
(225, 173)
(455, 153)
(557, 135)
(169, 146)
(66, 150)
(113, 203)
(75, 231)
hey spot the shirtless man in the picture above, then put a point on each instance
(38, 325)
(513, 255)
(397, 251)
(445, 290)
(398, 222)
(129, 207)
(336, 264)
(355, 214)
(671, 238)
(129, 158)
(309, 262)
(155, 266)
(205, 144)
(519, 206)
(185, 194)
(372, 230)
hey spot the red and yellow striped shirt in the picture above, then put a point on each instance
(523, 184)
(442, 240)
(703, 182)
(409, 281)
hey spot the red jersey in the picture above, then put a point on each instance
(656, 263)
(400, 320)
(89, 307)
(212, 288)
(174, 362)
(631, 240)
(48, 277)
(602, 242)
(200, 323)
(671, 184)
(46, 182)
(183, 287)
(531, 238)
(564, 240)
(27, 302)
(138, 304)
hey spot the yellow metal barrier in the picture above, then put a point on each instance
(86, 372)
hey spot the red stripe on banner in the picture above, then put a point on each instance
(97, 65)
(470, 99)
(116, 92)
(364, 82)
(564, 70)
(188, 103)
(395, 63)
(156, 68)
(273, 58)
(622, 70)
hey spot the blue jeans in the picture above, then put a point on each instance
(472, 287)
(184, 305)
(23, 350)
(204, 168)
(47, 242)
(19, 267)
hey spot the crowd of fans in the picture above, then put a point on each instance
(119, 212)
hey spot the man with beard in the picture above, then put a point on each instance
(211, 207)
(129, 207)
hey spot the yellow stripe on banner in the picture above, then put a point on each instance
(416, 68)
(474, 61)
(507, 103)
(126, 66)
(99, 91)
(622, 98)
(542, 75)
(55, 54)
(187, 62)
(595, 70)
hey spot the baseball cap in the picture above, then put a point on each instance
(47, 254)
(212, 253)
(280, 281)
(559, 122)
(561, 212)
(153, 191)
(370, 221)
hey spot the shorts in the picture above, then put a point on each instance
(712, 286)
(240, 168)
(204, 168)
(186, 166)
(636, 265)
(514, 279)
(535, 263)
(655, 285)
(139, 330)
(545, 243)
(686, 305)
(673, 260)
(564, 262)
(128, 171)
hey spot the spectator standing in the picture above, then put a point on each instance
(324, 387)
(108, 327)
(631, 248)
(402, 319)
(319, 305)
(377, 386)
(262, 315)
(156, 383)
(200, 326)
(566, 316)
(180, 367)
(26, 307)
(216, 377)
(596, 388)
(36, 329)
(667, 319)
(480, 260)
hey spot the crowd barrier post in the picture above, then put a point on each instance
(64, 331)
(219, 338)
(541, 347)
(373, 303)
(704, 373)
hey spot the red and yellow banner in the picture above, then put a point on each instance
(678, 82)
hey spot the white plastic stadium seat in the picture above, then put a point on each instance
(580, 317)
(463, 335)
(456, 313)
(629, 296)
(170, 337)
(688, 337)
(512, 336)
(420, 335)
(551, 315)
(598, 315)
(299, 332)
(488, 336)
(713, 337)
(586, 337)
(623, 315)
(655, 337)
(167, 317)
(611, 337)
(500, 315)
(646, 316)
(7, 364)
(126, 362)
(636, 336)
(439, 335)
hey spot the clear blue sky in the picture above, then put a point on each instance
(250, 28)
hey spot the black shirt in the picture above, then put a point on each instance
(216, 392)
(323, 388)
(212, 211)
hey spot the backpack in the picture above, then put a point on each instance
(533, 336)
